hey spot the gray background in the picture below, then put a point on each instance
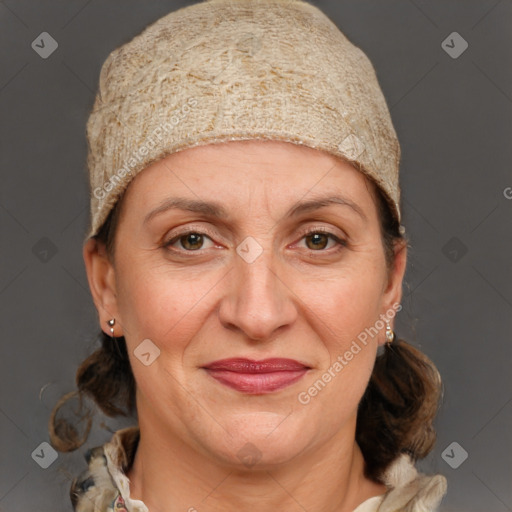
(454, 121)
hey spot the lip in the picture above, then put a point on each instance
(256, 377)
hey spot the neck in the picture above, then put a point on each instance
(169, 475)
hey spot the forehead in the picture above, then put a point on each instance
(239, 173)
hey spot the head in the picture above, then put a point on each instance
(251, 272)
(315, 279)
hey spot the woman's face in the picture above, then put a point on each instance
(263, 273)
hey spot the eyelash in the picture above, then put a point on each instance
(340, 242)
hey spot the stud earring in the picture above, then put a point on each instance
(111, 323)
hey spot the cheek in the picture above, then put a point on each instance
(161, 303)
(348, 304)
(349, 348)
(344, 311)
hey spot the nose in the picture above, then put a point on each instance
(258, 301)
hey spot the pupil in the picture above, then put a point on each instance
(315, 238)
(193, 236)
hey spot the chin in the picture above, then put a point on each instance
(260, 440)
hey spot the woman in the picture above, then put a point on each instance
(246, 260)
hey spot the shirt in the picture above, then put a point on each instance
(104, 486)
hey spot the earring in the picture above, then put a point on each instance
(390, 335)
(111, 322)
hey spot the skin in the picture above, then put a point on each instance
(297, 300)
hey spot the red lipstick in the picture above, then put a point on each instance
(256, 377)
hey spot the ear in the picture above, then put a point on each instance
(393, 289)
(101, 277)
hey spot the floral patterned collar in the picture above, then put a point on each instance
(104, 486)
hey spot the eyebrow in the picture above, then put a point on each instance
(215, 209)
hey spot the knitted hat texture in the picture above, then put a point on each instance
(223, 70)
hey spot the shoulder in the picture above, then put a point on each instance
(409, 490)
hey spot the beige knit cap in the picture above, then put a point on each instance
(224, 70)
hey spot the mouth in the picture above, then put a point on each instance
(256, 377)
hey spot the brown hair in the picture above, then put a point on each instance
(395, 414)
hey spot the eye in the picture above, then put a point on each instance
(189, 240)
(317, 239)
